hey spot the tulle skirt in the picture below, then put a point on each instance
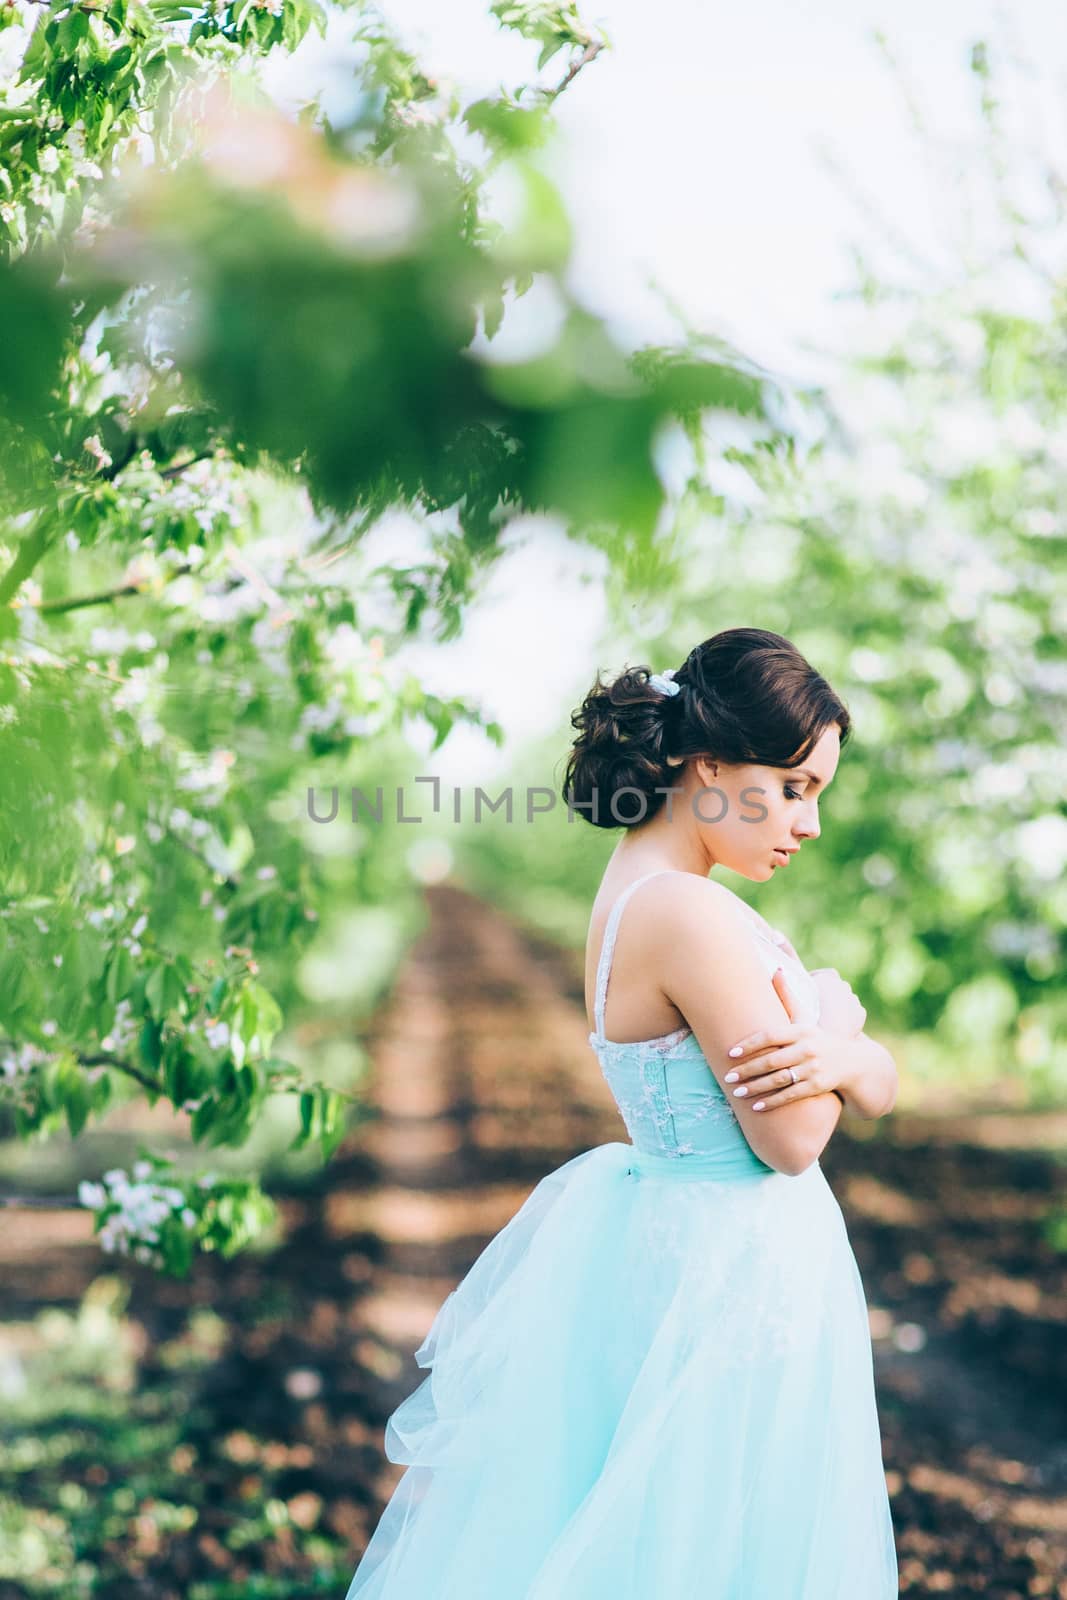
(653, 1384)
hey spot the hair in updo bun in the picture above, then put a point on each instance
(745, 695)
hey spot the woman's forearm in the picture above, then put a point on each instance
(870, 1086)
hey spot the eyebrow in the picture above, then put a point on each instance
(802, 771)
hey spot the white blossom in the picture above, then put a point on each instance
(94, 447)
(321, 717)
(140, 1208)
(16, 1064)
(124, 1029)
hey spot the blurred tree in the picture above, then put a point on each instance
(914, 546)
(249, 408)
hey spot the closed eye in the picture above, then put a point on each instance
(791, 794)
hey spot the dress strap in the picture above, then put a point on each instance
(607, 949)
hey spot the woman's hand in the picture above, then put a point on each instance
(820, 1058)
(840, 1010)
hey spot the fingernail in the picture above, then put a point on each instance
(743, 1090)
(732, 1077)
(736, 1051)
(758, 1105)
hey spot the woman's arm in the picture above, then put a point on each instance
(870, 1087)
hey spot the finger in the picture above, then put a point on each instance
(771, 1084)
(770, 1071)
(784, 992)
(763, 1039)
(763, 1063)
(771, 1100)
(754, 1063)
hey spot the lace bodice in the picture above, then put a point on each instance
(668, 1096)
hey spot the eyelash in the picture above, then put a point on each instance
(791, 794)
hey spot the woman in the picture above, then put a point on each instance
(655, 1383)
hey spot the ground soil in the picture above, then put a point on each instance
(484, 1081)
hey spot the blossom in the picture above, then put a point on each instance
(135, 1210)
(22, 1061)
(217, 1035)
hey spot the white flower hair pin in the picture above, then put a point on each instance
(664, 681)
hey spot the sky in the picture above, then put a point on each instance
(725, 159)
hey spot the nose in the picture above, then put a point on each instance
(808, 829)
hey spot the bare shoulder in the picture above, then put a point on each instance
(677, 909)
(674, 885)
(695, 900)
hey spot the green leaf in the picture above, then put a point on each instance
(307, 1115)
(120, 974)
(151, 1044)
(332, 1121)
(164, 989)
(204, 1118)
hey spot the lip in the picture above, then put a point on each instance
(785, 854)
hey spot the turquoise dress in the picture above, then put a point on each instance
(655, 1382)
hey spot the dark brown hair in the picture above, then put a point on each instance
(744, 695)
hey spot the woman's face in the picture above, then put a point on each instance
(756, 817)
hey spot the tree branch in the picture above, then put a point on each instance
(55, 607)
(113, 1062)
(183, 466)
(109, 474)
(590, 53)
(126, 1067)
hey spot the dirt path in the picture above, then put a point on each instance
(483, 1082)
(968, 1305)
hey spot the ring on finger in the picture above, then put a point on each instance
(792, 1075)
